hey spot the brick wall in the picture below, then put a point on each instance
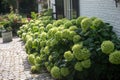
(104, 9)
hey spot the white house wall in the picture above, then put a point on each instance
(39, 8)
(104, 9)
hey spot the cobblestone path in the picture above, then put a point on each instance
(14, 64)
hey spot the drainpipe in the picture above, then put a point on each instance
(17, 3)
(78, 7)
(48, 2)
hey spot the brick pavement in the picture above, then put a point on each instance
(14, 64)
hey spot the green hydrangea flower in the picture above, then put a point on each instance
(35, 28)
(50, 58)
(79, 19)
(48, 42)
(31, 59)
(55, 72)
(43, 43)
(58, 35)
(28, 37)
(33, 69)
(68, 55)
(65, 33)
(46, 50)
(38, 67)
(61, 27)
(49, 26)
(86, 63)
(71, 34)
(73, 21)
(23, 36)
(73, 28)
(29, 43)
(35, 43)
(64, 71)
(58, 23)
(107, 47)
(76, 38)
(97, 23)
(43, 35)
(78, 66)
(85, 53)
(41, 29)
(43, 57)
(52, 31)
(37, 60)
(76, 48)
(68, 24)
(82, 54)
(85, 24)
(114, 57)
(54, 42)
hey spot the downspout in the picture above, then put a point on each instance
(78, 14)
(17, 4)
(70, 9)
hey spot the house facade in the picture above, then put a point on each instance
(104, 9)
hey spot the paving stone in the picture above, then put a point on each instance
(14, 64)
(1, 77)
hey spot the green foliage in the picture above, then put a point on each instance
(114, 57)
(47, 12)
(107, 47)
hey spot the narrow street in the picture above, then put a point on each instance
(14, 64)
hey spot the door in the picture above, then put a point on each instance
(71, 8)
(59, 9)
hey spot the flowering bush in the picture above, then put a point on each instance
(11, 22)
(71, 49)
